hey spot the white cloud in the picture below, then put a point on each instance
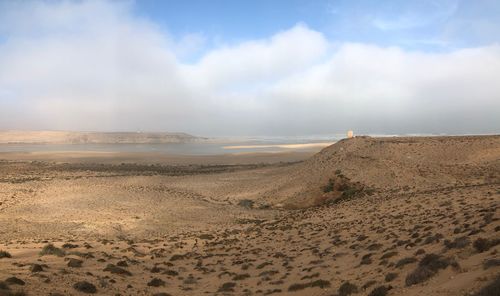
(258, 61)
(368, 80)
(94, 66)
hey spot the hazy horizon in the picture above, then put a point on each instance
(251, 69)
(312, 136)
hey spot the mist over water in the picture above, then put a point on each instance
(209, 146)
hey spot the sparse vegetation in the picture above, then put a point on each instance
(240, 277)
(330, 186)
(117, 270)
(405, 261)
(5, 254)
(246, 203)
(264, 264)
(492, 289)
(419, 252)
(50, 249)
(366, 259)
(171, 272)
(427, 268)
(69, 246)
(347, 289)
(310, 276)
(483, 244)
(350, 192)
(14, 281)
(75, 263)
(344, 189)
(317, 283)
(374, 247)
(156, 282)
(458, 243)
(320, 283)
(389, 255)
(177, 257)
(85, 287)
(369, 284)
(390, 276)
(3, 286)
(361, 237)
(206, 236)
(227, 287)
(380, 291)
(7, 292)
(36, 268)
(123, 263)
(491, 263)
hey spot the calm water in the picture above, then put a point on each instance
(214, 146)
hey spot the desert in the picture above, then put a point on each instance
(249, 148)
(364, 216)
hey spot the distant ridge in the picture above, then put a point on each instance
(67, 137)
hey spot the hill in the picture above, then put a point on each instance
(399, 164)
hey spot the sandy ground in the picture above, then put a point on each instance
(92, 157)
(412, 216)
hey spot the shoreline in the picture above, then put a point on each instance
(156, 157)
(283, 146)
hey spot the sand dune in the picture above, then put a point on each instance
(365, 216)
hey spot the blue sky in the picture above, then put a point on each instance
(251, 67)
(419, 25)
(233, 20)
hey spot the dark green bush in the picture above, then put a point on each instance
(347, 289)
(380, 291)
(491, 289)
(4, 254)
(427, 268)
(404, 261)
(50, 249)
(329, 187)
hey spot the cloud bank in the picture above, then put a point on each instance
(97, 66)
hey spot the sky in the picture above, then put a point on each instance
(248, 68)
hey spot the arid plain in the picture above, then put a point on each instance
(365, 216)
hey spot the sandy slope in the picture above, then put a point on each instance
(394, 201)
(395, 165)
